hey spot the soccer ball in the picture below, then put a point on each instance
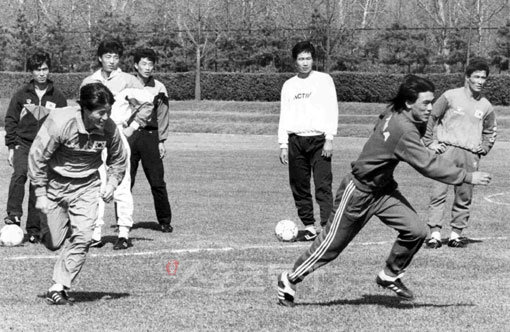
(11, 235)
(286, 230)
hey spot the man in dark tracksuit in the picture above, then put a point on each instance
(371, 190)
(27, 110)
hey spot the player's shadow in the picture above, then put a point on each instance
(466, 240)
(92, 296)
(111, 239)
(147, 225)
(388, 301)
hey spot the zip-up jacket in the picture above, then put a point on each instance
(160, 118)
(397, 138)
(66, 147)
(23, 119)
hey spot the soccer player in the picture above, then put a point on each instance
(109, 53)
(308, 123)
(465, 125)
(370, 190)
(63, 167)
(26, 113)
(148, 143)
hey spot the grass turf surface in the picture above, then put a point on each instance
(227, 193)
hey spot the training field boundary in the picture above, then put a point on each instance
(491, 198)
(222, 249)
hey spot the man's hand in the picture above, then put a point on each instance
(10, 158)
(437, 147)
(42, 203)
(481, 178)
(128, 131)
(284, 156)
(480, 151)
(327, 149)
(107, 193)
(162, 150)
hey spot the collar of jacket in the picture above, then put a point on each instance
(30, 87)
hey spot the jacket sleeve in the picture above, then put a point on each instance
(439, 109)
(163, 114)
(489, 131)
(331, 101)
(283, 136)
(11, 121)
(411, 150)
(45, 144)
(60, 99)
(143, 114)
(142, 105)
(116, 160)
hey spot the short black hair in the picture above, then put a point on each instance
(476, 64)
(304, 46)
(145, 53)
(95, 95)
(37, 59)
(409, 91)
(111, 45)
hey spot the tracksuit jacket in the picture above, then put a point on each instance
(22, 123)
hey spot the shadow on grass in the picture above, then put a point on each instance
(113, 238)
(388, 301)
(147, 225)
(93, 296)
(466, 240)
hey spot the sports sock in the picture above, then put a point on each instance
(454, 235)
(386, 277)
(56, 288)
(435, 235)
(96, 235)
(311, 228)
(124, 231)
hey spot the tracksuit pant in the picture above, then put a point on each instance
(144, 146)
(122, 197)
(305, 159)
(17, 191)
(352, 210)
(463, 193)
(70, 222)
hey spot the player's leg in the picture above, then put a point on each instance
(299, 178)
(352, 209)
(98, 225)
(322, 178)
(396, 212)
(155, 172)
(136, 148)
(463, 196)
(33, 217)
(17, 185)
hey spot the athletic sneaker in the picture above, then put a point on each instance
(96, 243)
(397, 286)
(286, 290)
(167, 228)
(457, 243)
(434, 243)
(33, 239)
(306, 235)
(58, 298)
(12, 220)
(122, 243)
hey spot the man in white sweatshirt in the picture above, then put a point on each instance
(308, 123)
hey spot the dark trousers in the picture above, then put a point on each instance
(144, 147)
(17, 191)
(353, 209)
(305, 159)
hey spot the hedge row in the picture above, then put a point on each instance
(350, 86)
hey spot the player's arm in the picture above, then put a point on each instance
(411, 150)
(116, 161)
(489, 132)
(163, 114)
(283, 136)
(142, 109)
(439, 109)
(45, 144)
(331, 106)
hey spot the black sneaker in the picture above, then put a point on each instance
(397, 286)
(96, 243)
(58, 298)
(457, 243)
(433, 243)
(306, 235)
(167, 228)
(286, 290)
(33, 239)
(12, 220)
(122, 244)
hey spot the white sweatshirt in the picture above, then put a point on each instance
(308, 107)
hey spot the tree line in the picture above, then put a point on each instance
(398, 36)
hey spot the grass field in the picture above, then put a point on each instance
(227, 192)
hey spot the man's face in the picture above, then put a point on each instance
(97, 117)
(476, 81)
(421, 108)
(40, 74)
(144, 67)
(304, 62)
(109, 61)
